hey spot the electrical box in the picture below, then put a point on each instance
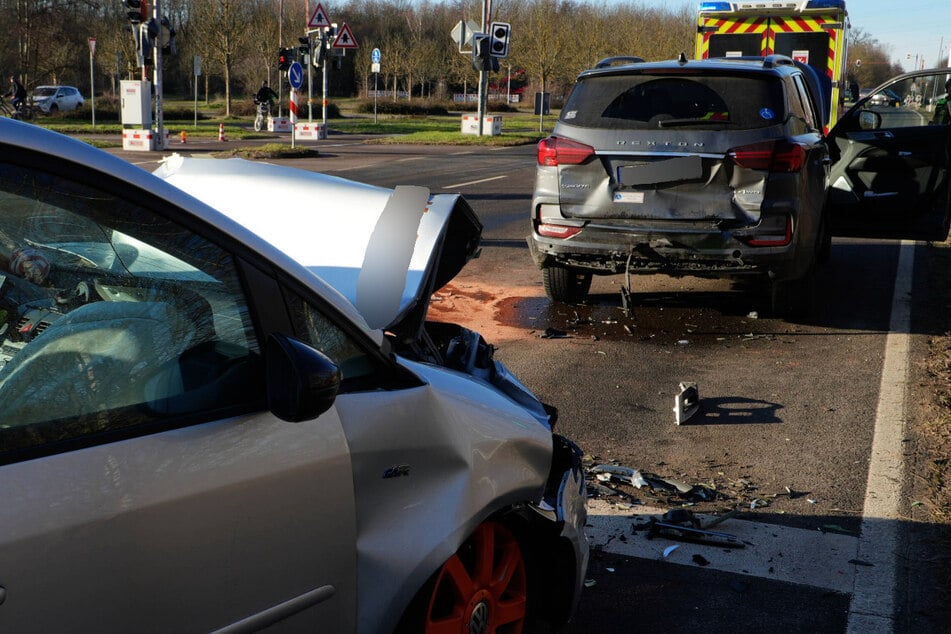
(136, 104)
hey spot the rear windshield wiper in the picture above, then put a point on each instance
(670, 123)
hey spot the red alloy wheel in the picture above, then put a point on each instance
(482, 588)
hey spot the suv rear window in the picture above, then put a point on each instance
(640, 102)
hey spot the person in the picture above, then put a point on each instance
(17, 93)
(265, 94)
(942, 108)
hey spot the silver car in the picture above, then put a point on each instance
(53, 99)
(224, 420)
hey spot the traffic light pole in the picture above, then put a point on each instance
(483, 75)
(157, 57)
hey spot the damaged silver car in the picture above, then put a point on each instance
(712, 168)
(230, 418)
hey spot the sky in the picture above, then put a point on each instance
(909, 28)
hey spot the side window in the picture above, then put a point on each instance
(805, 107)
(910, 103)
(321, 333)
(111, 316)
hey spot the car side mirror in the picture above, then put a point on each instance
(302, 383)
(869, 120)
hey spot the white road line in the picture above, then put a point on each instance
(873, 598)
(771, 551)
(484, 180)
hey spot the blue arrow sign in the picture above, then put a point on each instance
(295, 74)
(375, 56)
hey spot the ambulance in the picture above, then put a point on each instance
(814, 32)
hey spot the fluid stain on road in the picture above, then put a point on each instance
(688, 318)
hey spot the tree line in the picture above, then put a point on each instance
(237, 40)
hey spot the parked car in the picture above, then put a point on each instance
(53, 99)
(885, 97)
(712, 168)
(236, 418)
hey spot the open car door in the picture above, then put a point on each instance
(889, 176)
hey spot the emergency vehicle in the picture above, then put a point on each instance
(814, 32)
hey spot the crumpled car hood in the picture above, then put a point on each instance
(385, 250)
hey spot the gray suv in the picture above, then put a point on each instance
(712, 168)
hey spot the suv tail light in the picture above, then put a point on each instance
(771, 156)
(773, 232)
(555, 151)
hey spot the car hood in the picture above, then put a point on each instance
(385, 250)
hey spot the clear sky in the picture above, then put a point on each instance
(912, 28)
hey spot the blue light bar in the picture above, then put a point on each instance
(826, 4)
(715, 6)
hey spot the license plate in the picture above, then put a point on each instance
(667, 171)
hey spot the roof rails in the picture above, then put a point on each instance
(769, 61)
(622, 59)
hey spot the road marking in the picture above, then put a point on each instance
(466, 184)
(771, 551)
(873, 600)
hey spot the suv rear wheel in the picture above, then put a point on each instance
(795, 299)
(565, 284)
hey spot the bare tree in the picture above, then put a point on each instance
(221, 29)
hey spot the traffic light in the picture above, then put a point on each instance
(136, 10)
(499, 33)
(284, 59)
(303, 51)
(482, 59)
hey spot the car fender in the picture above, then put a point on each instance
(421, 490)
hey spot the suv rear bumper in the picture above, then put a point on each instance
(607, 250)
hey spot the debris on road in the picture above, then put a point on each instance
(687, 402)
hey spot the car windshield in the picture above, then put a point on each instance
(637, 102)
(44, 91)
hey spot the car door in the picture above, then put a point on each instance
(890, 162)
(144, 486)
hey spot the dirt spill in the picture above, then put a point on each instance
(509, 313)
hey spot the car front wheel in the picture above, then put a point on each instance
(483, 587)
(565, 284)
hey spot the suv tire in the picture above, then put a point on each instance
(795, 299)
(564, 284)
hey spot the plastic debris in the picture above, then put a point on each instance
(670, 549)
(627, 475)
(700, 560)
(554, 333)
(686, 403)
(590, 583)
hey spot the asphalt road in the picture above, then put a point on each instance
(785, 432)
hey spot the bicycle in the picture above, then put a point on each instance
(25, 112)
(264, 111)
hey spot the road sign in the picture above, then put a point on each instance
(345, 38)
(295, 75)
(462, 33)
(320, 19)
(375, 56)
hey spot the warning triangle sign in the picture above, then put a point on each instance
(320, 19)
(345, 38)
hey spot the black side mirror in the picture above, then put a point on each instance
(302, 383)
(869, 120)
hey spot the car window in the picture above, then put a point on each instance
(111, 316)
(646, 101)
(44, 91)
(800, 105)
(911, 102)
(315, 328)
